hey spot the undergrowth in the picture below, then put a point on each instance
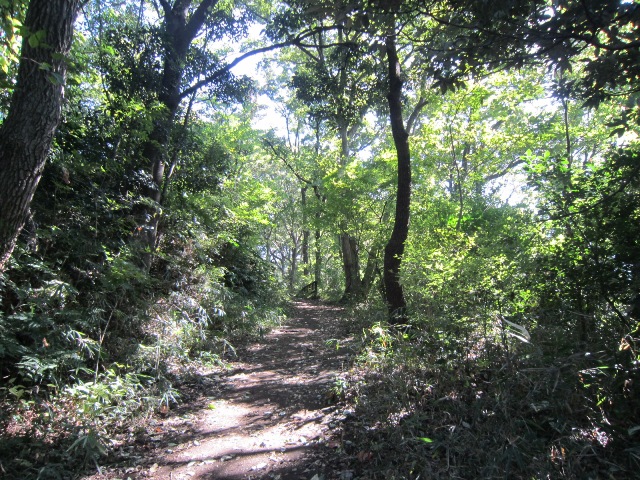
(83, 364)
(495, 405)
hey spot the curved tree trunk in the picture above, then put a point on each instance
(27, 132)
(395, 247)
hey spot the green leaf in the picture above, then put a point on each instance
(33, 41)
(17, 391)
(36, 39)
(425, 439)
(56, 78)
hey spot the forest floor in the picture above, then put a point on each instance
(271, 414)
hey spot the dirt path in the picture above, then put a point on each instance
(270, 416)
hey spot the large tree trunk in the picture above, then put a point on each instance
(156, 146)
(395, 247)
(27, 132)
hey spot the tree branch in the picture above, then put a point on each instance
(287, 164)
(165, 6)
(180, 5)
(306, 51)
(422, 102)
(222, 71)
(198, 18)
(504, 171)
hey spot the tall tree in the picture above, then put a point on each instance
(338, 84)
(394, 249)
(188, 67)
(336, 90)
(27, 132)
(181, 26)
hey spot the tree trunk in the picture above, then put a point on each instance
(27, 132)
(370, 271)
(395, 247)
(348, 244)
(317, 266)
(156, 147)
(351, 267)
(293, 267)
(178, 35)
(305, 233)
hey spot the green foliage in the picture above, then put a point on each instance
(90, 343)
(331, 88)
(11, 18)
(80, 420)
(427, 403)
(523, 313)
(110, 397)
(509, 303)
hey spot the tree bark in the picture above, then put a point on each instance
(351, 267)
(317, 268)
(395, 247)
(370, 271)
(34, 114)
(293, 267)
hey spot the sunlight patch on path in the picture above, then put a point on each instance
(267, 414)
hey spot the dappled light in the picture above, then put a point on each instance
(319, 240)
(271, 413)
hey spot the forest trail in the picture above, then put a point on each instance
(269, 416)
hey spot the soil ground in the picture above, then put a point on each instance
(270, 415)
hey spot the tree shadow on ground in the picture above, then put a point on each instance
(271, 415)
